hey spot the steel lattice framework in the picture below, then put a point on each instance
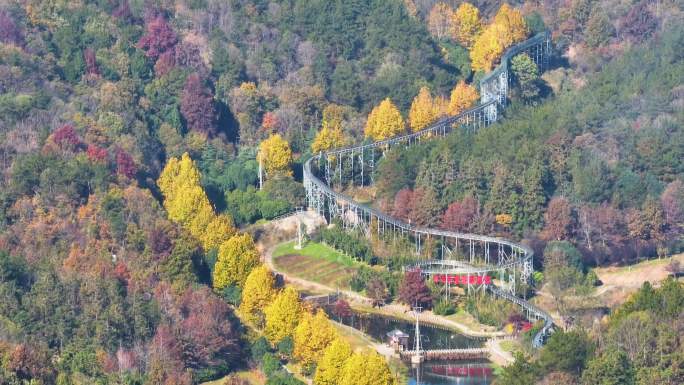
(448, 252)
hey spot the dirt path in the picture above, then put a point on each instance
(497, 354)
(392, 309)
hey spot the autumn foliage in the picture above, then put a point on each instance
(258, 292)
(463, 97)
(158, 39)
(508, 28)
(466, 24)
(384, 121)
(422, 111)
(282, 315)
(197, 106)
(236, 258)
(275, 155)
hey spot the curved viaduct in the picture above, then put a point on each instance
(446, 253)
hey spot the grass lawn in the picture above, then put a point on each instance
(315, 262)
(356, 339)
(511, 345)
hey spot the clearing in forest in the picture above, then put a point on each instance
(315, 262)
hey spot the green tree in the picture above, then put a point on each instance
(567, 352)
(599, 29)
(526, 74)
(520, 372)
(611, 367)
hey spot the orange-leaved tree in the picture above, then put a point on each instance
(463, 96)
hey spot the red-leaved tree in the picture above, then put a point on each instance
(459, 216)
(125, 165)
(96, 154)
(403, 204)
(413, 290)
(197, 106)
(558, 219)
(66, 138)
(342, 309)
(159, 38)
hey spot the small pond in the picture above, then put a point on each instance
(430, 372)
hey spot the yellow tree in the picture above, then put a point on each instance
(333, 116)
(512, 26)
(439, 20)
(466, 25)
(190, 207)
(236, 258)
(283, 315)
(219, 230)
(366, 369)
(331, 134)
(487, 48)
(313, 334)
(440, 106)
(463, 96)
(422, 111)
(275, 155)
(384, 121)
(178, 173)
(257, 294)
(329, 368)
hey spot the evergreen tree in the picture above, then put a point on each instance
(611, 367)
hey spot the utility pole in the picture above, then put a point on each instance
(261, 174)
(417, 356)
(300, 234)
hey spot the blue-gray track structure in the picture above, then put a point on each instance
(446, 252)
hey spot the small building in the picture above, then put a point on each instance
(397, 340)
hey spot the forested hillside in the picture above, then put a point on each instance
(599, 165)
(131, 134)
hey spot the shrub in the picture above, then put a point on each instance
(444, 307)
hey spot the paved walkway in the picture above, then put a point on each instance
(393, 309)
(498, 355)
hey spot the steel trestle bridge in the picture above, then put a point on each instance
(447, 252)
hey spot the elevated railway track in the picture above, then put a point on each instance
(446, 252)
